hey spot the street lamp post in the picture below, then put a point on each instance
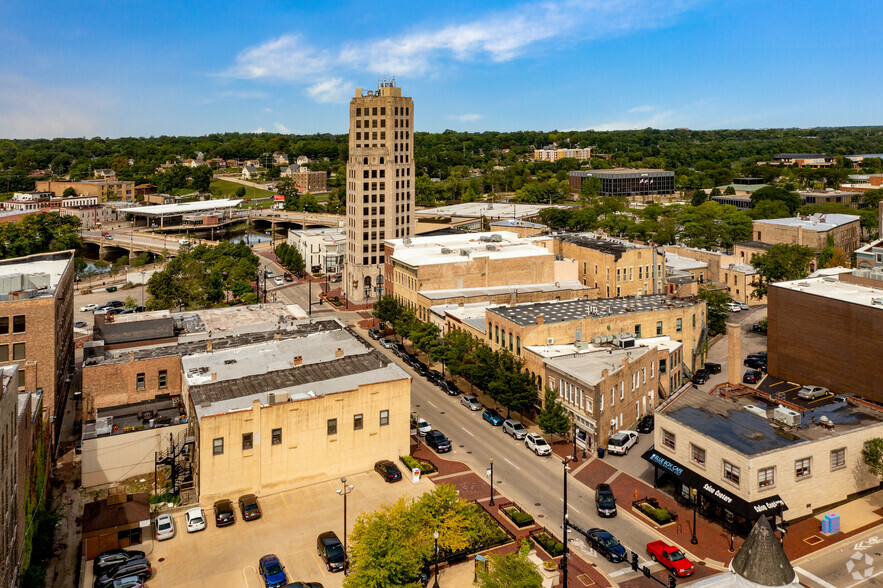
(575, 458)
(564, 526)
(345, 491)
(693, 539)
(435, 537)
(492, 481)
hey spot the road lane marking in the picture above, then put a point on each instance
(430, 402)
(814, 578)
(467, 430)
(573, 508)
(512, 464)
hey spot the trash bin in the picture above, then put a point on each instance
(601, 452)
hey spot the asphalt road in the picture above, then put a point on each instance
(859, 562)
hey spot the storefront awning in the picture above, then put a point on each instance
(713, 491)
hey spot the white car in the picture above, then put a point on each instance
(195, 520)
(165, 527)
(183, 242)
(537, 444)
(278, 281)
(88, 307)
(732, 307)
(470, 402)
(621, 442)
(423, 427)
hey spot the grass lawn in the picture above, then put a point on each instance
(227, 189)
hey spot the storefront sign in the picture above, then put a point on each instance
(772, 503)
(718, 493)
(666, 464)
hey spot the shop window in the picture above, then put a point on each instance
(732, 473)
(697, 454)
(384, 418)
(247, 441)
(276, 437)
(803, 468)
(332, 426)
(766, 477)
(358, 422)
(668, 439)
(838, 459)
(218, 446)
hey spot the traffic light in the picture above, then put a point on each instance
(634, 561)
(672, 582)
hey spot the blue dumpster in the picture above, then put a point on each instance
(601, 452)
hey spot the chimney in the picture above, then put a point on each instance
(734, 353)
(339, 353)
(799, 235)
(541, 319)
(298, 360)
(208, 345)
(131, 356)
(513, 298)
(214, 376)
(277, 335)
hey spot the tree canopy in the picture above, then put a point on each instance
(39, 233)
(782, 262)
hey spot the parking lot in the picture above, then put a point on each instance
(289, 525)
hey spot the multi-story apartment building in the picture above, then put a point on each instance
(308, 181)
(811, 231)
(36, 326)
(554, 154)
(614, 267)
(380, 185)
(813, 160)
(323, 249)
(104, 190)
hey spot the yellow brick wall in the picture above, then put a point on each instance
(631, 274)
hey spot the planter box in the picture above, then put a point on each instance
(658, 516)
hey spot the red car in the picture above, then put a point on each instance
(671, 558)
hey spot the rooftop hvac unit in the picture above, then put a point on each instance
(877, 301)
(484, 238)
(10, 283)
(626, 343)
(787, 416)
(464, 252)
(491, 247)
(596, 340)
(406, 241)
(445, 250)
(496, 238)
(753, 409)
(40, 280)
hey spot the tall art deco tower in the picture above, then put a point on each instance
(380, 185)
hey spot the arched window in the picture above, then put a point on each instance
(381, 161)
(367, 281)
(365, 161)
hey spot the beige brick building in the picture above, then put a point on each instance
(310, 181)
(554, 154)
(810, 231)
(614, 266)
(292, 412)
(36, 326)
(379, 187)
(104, 190)
(738, 278)
(745, 460)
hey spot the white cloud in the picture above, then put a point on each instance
(330, 90)
(259, 130)
(637, 109)
(496, 36)
(282, 128)
(472, 117)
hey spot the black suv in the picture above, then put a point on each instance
(438, 441)
(712, 368)
(605, 501)
(755, 363)
(700, 377)
(331, 551)
(134, 567)
(224, 513)
(646, 424)
(450, 388)
(110, 560)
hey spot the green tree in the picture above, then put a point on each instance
(240, 192)
(827, 252)
(791, 199)
(699, 197)
(769, 209)
(730, 191)
(872, 455)
(69, 192)
(782, 262)
(509, 571)
(715, 313)
(553, 419)
(387, 309)
(130, 302)
(201, 178)
(590, 188)
(714, 192)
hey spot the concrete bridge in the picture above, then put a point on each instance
(132, 244)
(300, 219)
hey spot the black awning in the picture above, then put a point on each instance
(712, 491)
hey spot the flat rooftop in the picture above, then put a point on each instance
(511, 222)
(816, 222)
(463, 247)
(623, 171)
(328, 233)
(184, 207)
(598, 242)
(489, 210)
(472, 314)
(568, 349)
(727, 421)
(679, 263)
(587, 366)
(831, 287)
(572, 310)
(37, 275)
(497, 290)
(745, 268)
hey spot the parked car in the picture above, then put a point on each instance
(88, 307)
(164, 526)
(423, 427)
(742, 305)
(420, 369)
(752, 377)
(514, 428)
(700, 376)
(755, 363)
(671, 558)
(224, 513)
(712, 368)
(288, 277)
(621, 442)
(269, 273)
(605, 502)
(449, 388)
(399, 349)
(759, 327)
(107, 561)
(470, 402)
(732, 306)
(331, 551)
(374, 333)
(195, 519)
(646, 424)
(388, 470)
(436, 377)
(537, 444)
(111, 288)
(80, 324)
(248, 506)
(812, 392)
(304, 585)
(606, 544)
(437, 441)
(272, 571)
(410, 359)
(115, 304)
(139, 567)
(128, 582)
(278, 281)
(492, 416)
(388, 343)
(760, 355)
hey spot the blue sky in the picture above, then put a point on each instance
(132, 68)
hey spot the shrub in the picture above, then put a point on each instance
(411, 463)
(550, 544)
(521, 519)
(659, 515)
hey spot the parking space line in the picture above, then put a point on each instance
(467, 430)
(244, 577)
(285, 502)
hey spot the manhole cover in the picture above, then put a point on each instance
(461, 446)
(162, 559)
(468, 452)
(442, 412)
(537, 504)
(499, 482)
(539, 516)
